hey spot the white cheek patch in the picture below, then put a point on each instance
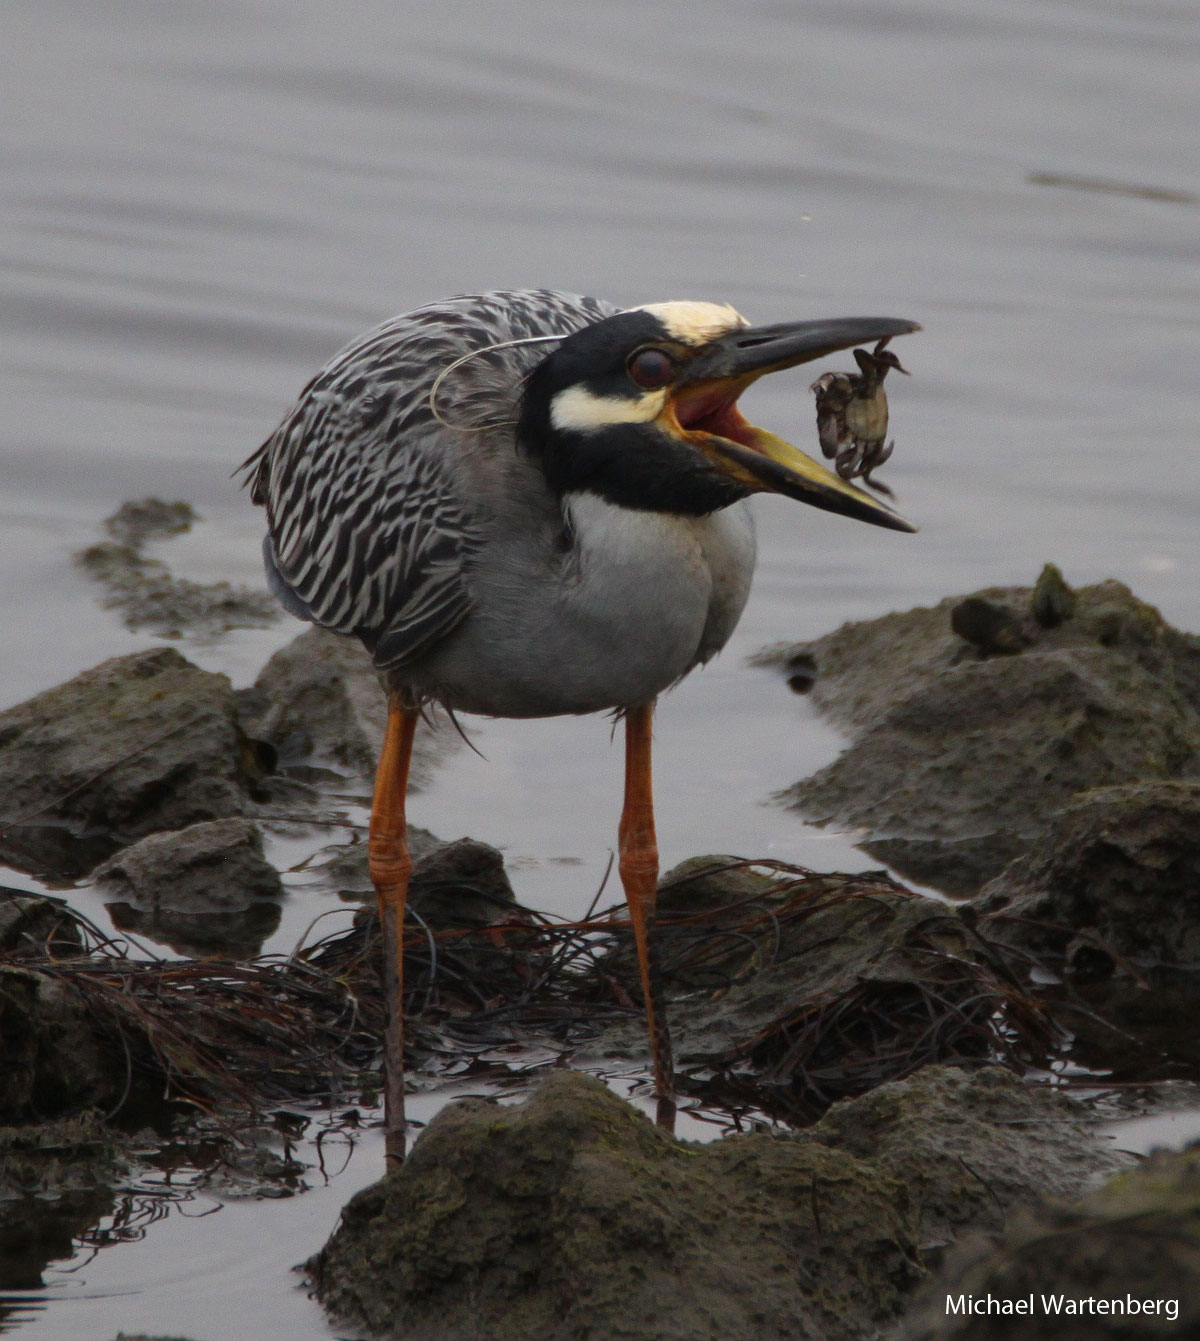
(695, 323)
(581, 410)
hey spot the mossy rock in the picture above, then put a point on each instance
(1137, 1238)
(133, 746)
(975, 721)
(570, 1217)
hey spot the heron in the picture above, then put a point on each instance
(530, 503)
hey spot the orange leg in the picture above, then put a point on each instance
(639, 874)
(390, 867)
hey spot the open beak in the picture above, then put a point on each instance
(703, 410)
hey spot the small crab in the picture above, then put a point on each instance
(852, 415)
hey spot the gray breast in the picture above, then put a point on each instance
(638, 601)
(401, 511)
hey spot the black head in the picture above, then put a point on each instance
(597, 411)
(641, 409)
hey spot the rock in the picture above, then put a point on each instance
(462, 884)
(789, 990)
(970, 1145)
(201, 889)
(989, 626)
(32, 925)
(343, 866)
(868, 952)
(1053, 602)
(570, 1216)
(453, 885)
(215, 867)
(55, 1184)
(463, 887)
(959, 756)
(51, 1060)
(1134, 1242)
(145, 591)
(1109, 897)
(1119, 866)
(468, 946)
(136, 745)
(320, 697)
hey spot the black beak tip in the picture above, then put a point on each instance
(874, 513)
(889, 520)
(901, 327)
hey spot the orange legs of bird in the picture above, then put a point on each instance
(390, 866)
(639, 874)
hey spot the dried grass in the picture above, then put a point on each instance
(885, 983)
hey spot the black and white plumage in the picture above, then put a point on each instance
(528, 504)
(500, 517)
(372, 521)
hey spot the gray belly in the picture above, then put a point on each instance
(640, 600)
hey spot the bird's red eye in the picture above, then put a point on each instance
(652, 368)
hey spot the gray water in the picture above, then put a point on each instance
(203, 201)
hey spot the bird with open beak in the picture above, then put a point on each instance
(528, 503)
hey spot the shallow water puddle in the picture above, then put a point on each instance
(191, 1244)
(1154, 1131)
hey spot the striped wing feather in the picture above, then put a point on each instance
(373, 515)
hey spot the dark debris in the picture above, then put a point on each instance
(906, 982)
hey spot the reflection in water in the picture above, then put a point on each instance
(237, 932)
(39, 1230)
(47, 1239)
(1114, 188)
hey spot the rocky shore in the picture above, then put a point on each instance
(890, 1066)
(973, 722)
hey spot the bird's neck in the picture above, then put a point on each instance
(633, 466)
